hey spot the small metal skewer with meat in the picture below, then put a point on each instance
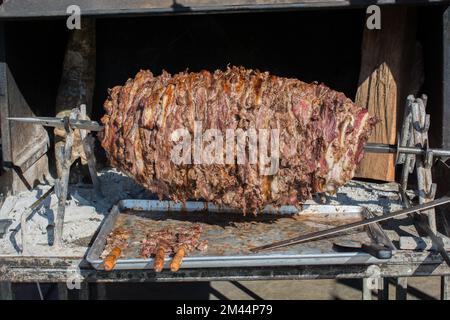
(177, 241)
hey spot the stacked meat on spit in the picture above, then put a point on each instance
(320, 134)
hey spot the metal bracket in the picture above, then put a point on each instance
(415, 133)
(62, 183)
(372, 282)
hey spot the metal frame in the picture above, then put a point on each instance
(55, 269)
(58, 269)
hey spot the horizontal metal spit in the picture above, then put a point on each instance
(95, 126)
(390, 148)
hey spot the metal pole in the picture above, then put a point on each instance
(366, 289)
(424, 178)
(445, 288)
(401, 288)
(383, 289)
(101, 291)
(390, 148)
(62, 291)
(84, 291)
(6, 291)
(62, 183)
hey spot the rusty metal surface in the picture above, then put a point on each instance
(45, 269)
(61, 269)
(231, 235)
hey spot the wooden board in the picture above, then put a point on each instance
(386, 62)
(23, 145)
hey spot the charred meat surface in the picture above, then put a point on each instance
(321, 135)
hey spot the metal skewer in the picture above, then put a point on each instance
(354, 225)
(95, 126)
(61, 122)
(390, 148)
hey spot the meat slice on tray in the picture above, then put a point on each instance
(116, 242)
(177, 241)
(319, 134)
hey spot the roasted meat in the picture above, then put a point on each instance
(315, 136)
(116, 239)
(171, 239)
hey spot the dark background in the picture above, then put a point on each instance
(321, 46)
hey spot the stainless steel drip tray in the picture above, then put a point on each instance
(231, 235)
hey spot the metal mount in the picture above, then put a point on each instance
(62, 183)
(416, 123)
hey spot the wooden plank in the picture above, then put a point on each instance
(76, 87)
(51, 8)
(385, 71)
(24, 146)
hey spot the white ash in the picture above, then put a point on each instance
(378, 198)
(85, 210)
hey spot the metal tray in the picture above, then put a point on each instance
(230, 235)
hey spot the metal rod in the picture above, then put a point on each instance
(366, 289)
(390, 148)
(383, 289)
(437, 241)
(354, 225)
(88, 146)
(84, 291)
(95, 126)
(62, 291)
(6, 292)
(61, 122)
(423, 171)
(445, 288)
(25, 215)
(62, 184)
